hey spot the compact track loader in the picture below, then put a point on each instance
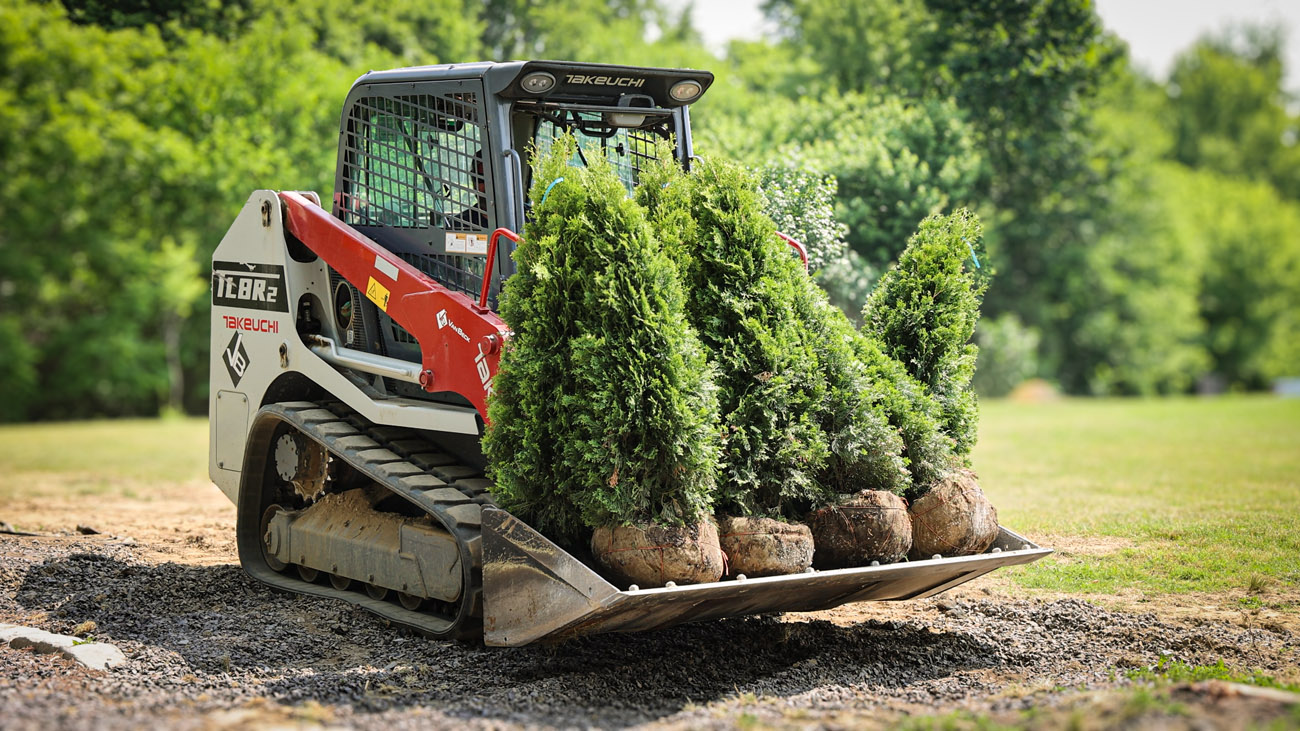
(354, 348)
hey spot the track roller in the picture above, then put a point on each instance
(397, 533)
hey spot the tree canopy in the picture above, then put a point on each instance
(1142, 230)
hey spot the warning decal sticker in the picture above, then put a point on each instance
(463, 243)
(377, 293)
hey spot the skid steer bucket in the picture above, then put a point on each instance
(533, 591)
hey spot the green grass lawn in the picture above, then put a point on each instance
(1192, 494)
(87, 454)
(1198, 494)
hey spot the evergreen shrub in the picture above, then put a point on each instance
(743, 284)
(604, 411)
(913, 412)
(923, 313)
(865, 450)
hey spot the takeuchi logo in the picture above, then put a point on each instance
(627, 81)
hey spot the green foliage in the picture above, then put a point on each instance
(865, 452)
(126, 148)
(1008, 354)
(219, 18)
(383, 35)
(1175, 671)
(604, 411)
(17, 370)
(743, 283)
(923, 313)
(72, 269)
(1023, 72)
(802, 205)
(1227, 109)
(1245, 242)
(1028, 75)
(1132, 318)
(848, 281)
(790, 375)
(524, 29)
(895, 160)
(1012, 89)
(911, 410)
(130, 132)
(862, 44)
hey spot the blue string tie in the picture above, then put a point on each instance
(548, 190)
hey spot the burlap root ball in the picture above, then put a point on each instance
(871, 525)
(653, 555)
(953, 519)
(765, 547)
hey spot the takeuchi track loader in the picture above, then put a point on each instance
(354, 348)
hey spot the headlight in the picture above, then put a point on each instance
(538, 82)
(685, 91)
(623, 119)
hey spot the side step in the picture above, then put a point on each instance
(534, 591)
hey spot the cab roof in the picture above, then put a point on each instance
(573, 79)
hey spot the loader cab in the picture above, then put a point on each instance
(433, 159)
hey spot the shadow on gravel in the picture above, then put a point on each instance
(627, 679)
(223, 626)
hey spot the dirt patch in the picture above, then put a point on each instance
(209, 648)
(192, 522)
(1085, 545)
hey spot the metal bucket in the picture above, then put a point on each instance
(534, 591)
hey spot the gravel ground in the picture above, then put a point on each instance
(209, 648)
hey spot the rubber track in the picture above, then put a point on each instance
(410, 466)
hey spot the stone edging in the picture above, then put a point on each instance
(94, 655)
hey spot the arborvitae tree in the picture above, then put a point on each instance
(604, 411)
(871, 408)
(743, 284)
(866, 451)
(923, 313)
(910, 410)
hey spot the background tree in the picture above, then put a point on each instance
(131, 132)
(126, 151)
(1228, 111)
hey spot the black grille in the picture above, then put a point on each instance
(413, 165)
(355, 335)
(410, 162)
(452, 270)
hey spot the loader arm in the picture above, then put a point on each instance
(460, 340)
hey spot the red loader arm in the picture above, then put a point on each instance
(460, 340)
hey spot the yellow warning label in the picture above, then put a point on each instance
(377, 293)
